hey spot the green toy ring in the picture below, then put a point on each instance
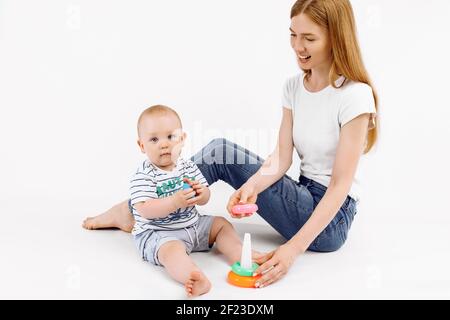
(236, 268)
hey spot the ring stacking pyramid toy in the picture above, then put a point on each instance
(241, 273)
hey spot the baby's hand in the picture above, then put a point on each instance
(201, 191)
(185, 198)
(197, 186)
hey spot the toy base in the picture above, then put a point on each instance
(242, 281)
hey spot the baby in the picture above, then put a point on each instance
(168, 226)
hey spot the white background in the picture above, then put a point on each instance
(74, 76)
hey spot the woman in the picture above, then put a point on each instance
(328, 117)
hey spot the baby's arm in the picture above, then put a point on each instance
(160, 208)
(155, 208)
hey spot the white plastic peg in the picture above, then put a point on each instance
(246, 255)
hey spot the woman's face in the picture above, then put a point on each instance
(310, 42)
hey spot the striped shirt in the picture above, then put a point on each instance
(151, 182)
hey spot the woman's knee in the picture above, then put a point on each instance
(217, 146)
(212, 152)
(219, 142)
(326, 243)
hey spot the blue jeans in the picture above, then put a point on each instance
(286, 205)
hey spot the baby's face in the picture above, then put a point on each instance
(161, 139)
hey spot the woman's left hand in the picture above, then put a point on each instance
(274, 265)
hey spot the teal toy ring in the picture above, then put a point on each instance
(236, 268)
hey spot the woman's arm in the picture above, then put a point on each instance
(351, 144)
(272, 169)
(280, 159)
(350, 148)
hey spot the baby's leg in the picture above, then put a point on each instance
(227, 240)
(172, 255)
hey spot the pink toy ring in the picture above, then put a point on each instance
(244, 209)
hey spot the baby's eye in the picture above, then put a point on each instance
(154, 139)
(292, 35)
(172, 136)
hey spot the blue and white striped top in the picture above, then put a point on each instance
(151, 182)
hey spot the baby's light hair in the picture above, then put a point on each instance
(158, 109)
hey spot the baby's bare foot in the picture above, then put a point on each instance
(102, 221)
(116, 217)
(197, 284)
(88, 223)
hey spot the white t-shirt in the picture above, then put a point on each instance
(318, 118)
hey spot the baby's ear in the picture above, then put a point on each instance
(141, 145)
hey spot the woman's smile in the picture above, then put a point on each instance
(304, 59)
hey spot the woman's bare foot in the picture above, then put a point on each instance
(197, 284)
(118, 216)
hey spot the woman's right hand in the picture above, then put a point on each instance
(245, 194)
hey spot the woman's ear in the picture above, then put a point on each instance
(141, 145)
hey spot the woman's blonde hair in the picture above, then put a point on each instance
(336, 16)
